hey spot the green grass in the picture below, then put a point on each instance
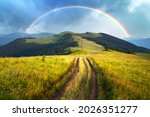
(145, 56)
(27, 78)
(80, 51)
(80, 85)
(89, 45)
(122, 76)
(47, 40)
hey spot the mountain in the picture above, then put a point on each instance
(140, 42)
(114, 43)
(5, 39)
(65, 43)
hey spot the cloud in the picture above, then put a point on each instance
(6, 29)
(134, 14)
(136, 4)
(16, 15)
(83, 21)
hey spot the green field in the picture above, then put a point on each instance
(123, 76)
(82, 75)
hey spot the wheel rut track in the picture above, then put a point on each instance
(94, 84)
(59, 94)
(61, 79)
(69, 69)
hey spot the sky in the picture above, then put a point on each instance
(18, 15)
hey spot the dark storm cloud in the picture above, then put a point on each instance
(16, 15)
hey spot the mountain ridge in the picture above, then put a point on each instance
(62, 43)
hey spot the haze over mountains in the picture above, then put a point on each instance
(65, 43)
(5, 39)
(144, 42)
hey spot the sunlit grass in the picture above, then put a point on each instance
(80, 85)
(120, 76)
(72, 91)
(124, 76)
(24, 78)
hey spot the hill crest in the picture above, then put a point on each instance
(60, 44)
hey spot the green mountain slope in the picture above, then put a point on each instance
(65, 43)
(113, 43)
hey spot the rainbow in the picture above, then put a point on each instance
(124, 30)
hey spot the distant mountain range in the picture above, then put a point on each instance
(143, 42)
(5, 39)
(65, 43)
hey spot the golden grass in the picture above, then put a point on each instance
(73, 90)
(25, 78)
(123, 76)
(120, 76)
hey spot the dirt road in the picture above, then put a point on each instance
(82, 83)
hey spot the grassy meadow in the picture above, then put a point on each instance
(31, 78)
(119, 76)
(123, 76)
